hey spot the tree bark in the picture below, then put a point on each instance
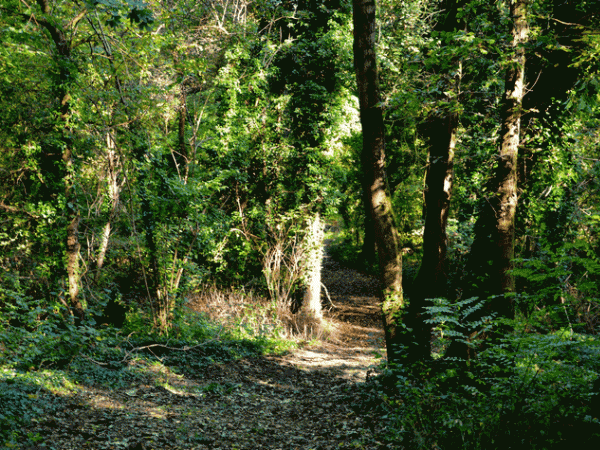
(114, 190)
(507, 164)
(368, 253)
(373, 162)
(493, 248)
(492, 252)
(314, 261)
(63, 62)
(438, 192)
(432, 279)
(139, 151)
(180, 158)
(440, 134)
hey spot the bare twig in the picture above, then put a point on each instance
(328, 297)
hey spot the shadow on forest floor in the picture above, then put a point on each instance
(302, 400)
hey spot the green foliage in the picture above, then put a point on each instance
(136, 11)
(560, 287)
(522, 390)
(462, 321)
(24, 397)
(40, 336)
(346, 249)
(194, 142)
(43, 357)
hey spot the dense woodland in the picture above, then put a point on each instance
(151, 151)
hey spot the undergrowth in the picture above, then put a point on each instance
(522, 391)
(44, 357)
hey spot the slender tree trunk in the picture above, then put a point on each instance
(373, 162)
(180, 158)
(440, 134)
(368, 252)
(438, 192)
(72, 217)
(493, 248)
(62, 53)
(507, 163)
(314, 262)
(139, 151)
(73, 246)
(182, 121)
(490, 259)
(432, 279)
(114, 190)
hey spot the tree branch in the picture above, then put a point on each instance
(12, 209)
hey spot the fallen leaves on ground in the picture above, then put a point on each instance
(299, 401)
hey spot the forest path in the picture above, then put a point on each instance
(302, 401)
(353, 313)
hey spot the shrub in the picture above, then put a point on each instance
(521, 391)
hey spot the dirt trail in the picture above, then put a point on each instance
(356, 320)
(299, 401)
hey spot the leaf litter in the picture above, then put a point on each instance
(305, 400)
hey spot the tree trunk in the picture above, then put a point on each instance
(368, 252)
(438, 192)
(440, 134)
(507, 164)
(140, 150)
(432, 279)
(63, 62)
(373, 162)
(313, 261)
(493, 249)
(114, 190)
(490, 259)
(180, 157)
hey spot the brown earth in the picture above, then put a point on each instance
(303, 400)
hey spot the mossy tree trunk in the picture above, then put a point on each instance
(66, 74)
